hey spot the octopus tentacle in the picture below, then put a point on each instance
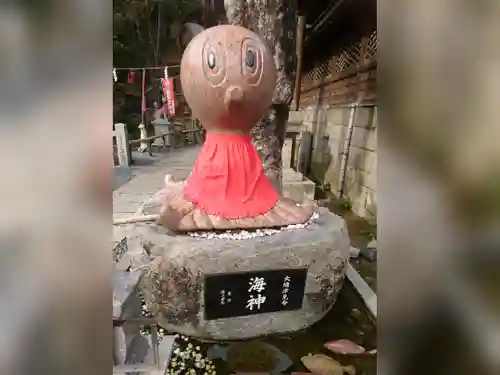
(179, 214)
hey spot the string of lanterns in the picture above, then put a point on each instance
(165, 70)
(166, 83)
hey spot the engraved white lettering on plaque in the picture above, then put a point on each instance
(222, 297)
(286, 288)
(257, 284)
(255, 302)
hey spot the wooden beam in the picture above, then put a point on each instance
(362, 50)
(325, 16)
(301, 25)
(362, 61)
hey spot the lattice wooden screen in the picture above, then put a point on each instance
(348, 57)
(371, 50)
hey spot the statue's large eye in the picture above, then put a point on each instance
(211, 60)
(250, 59)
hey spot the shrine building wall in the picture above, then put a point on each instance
(328, 93)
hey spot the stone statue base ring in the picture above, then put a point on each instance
(185, 277)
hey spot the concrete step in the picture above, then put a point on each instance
(296, 186)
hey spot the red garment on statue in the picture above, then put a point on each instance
(228, 179)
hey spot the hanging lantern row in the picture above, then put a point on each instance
(115, 77)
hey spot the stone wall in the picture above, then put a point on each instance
(361, 180)
(329, 126)
(328, 91)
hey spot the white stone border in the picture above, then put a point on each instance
(368, 296)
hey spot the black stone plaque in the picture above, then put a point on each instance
(250, 293)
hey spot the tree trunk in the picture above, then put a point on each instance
(275, 22)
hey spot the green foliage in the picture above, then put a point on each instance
(345, 203)
(371, 219)
(179, 139)
(184, 9)
(371, 229)
(141, 37)
(136, 28)
(340, 205)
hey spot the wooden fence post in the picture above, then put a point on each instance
(124, 157)
(301, 24)
(363, 48)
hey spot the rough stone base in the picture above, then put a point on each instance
(173, 281)
(296, 186)
(290, 175)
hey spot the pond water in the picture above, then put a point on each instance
(361, 232)
(348, 319)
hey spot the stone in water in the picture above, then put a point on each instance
(324, 365)
(344, 347)
(354, 252)
(369, 253)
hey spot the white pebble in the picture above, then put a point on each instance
(244, 234)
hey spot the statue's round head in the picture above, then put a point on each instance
(228, 78)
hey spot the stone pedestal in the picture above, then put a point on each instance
(174, 280)
(122, 147)
(305, 149)
(290, 175)
(286, 154)
(163, 126)
(296, 186)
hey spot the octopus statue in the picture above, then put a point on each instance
(228, 78)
